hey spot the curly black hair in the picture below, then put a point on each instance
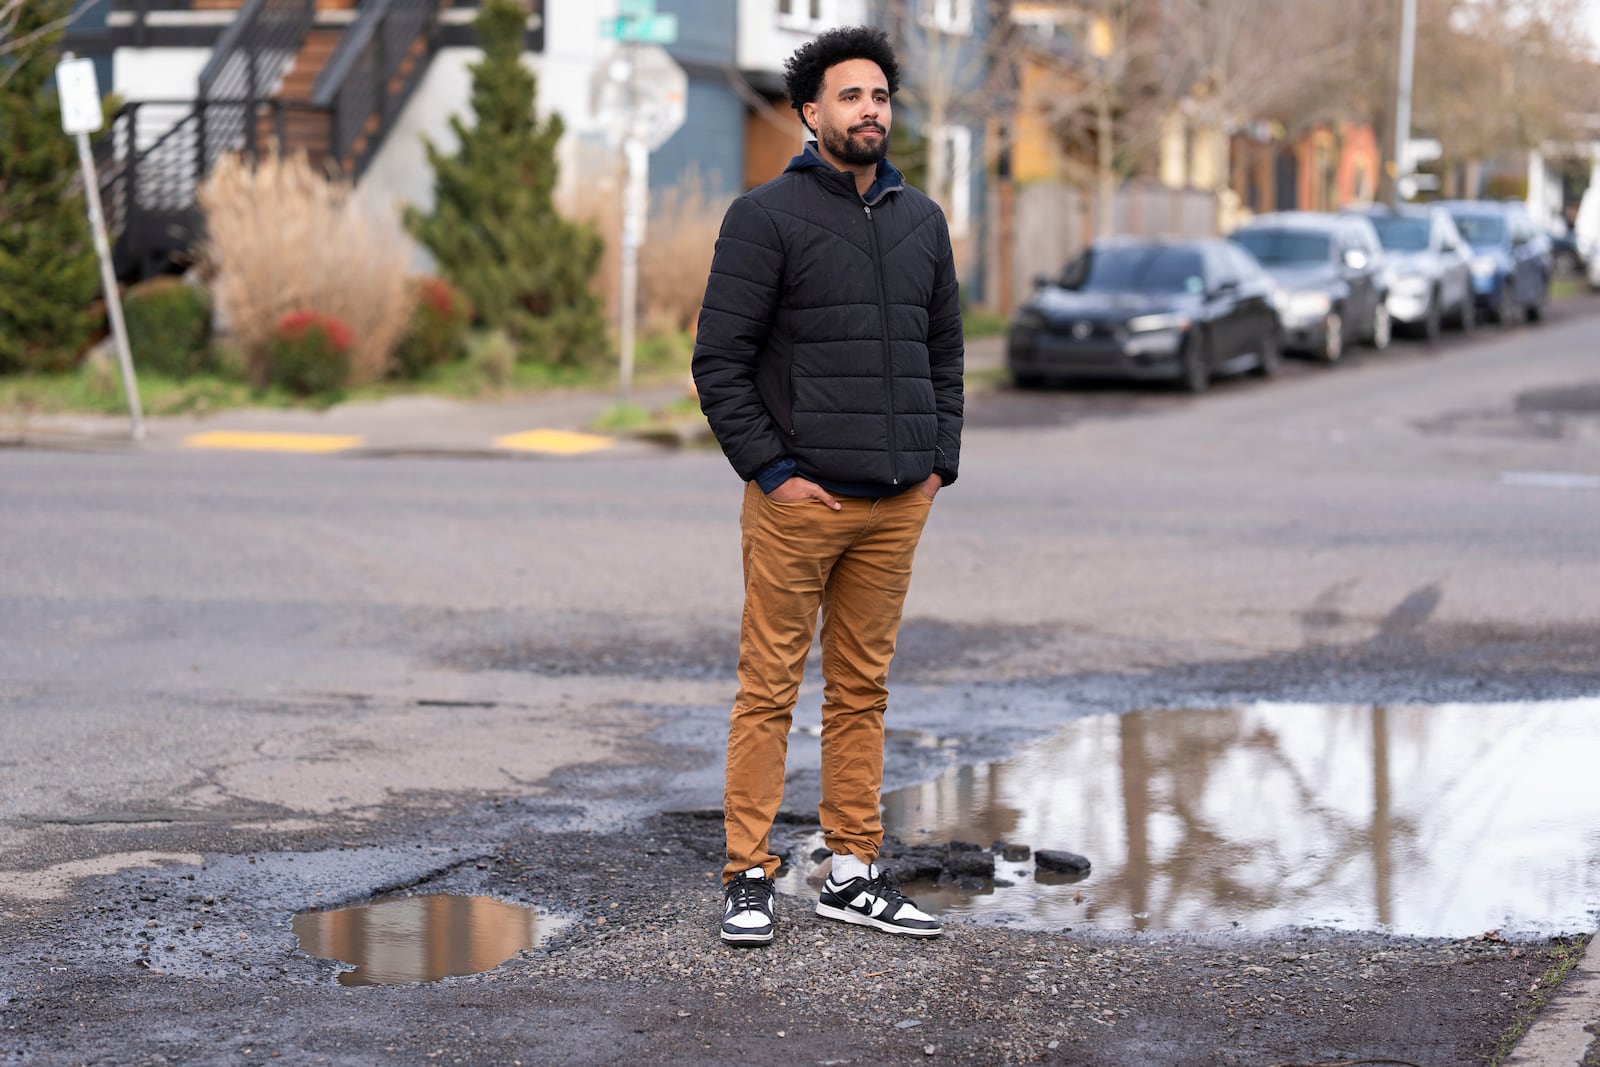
(803, 71)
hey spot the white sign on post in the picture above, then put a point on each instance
(81, 115)
(80, 96)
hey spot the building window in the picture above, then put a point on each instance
(947, 16)
(804, 14)
(950, 174)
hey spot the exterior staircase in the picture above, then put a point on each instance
(287, 122)
(325, 77)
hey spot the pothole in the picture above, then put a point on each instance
(399, 940)
(1582, 399)
(1423, 820)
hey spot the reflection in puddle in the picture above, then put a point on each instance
(1432, 821)
(421, 938)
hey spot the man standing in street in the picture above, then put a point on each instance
(828, 361)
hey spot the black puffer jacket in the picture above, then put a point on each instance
(831, 331)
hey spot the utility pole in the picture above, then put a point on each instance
(1402, 107)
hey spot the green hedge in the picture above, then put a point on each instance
(169, 327)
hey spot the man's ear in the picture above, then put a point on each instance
(808, 115)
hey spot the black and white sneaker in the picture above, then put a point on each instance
(875, 902)
(747, 909)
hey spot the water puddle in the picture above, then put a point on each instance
(422, 938)
(1448, 820)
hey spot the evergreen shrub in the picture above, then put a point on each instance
(169, 325)
(494, 229)
(48, 273)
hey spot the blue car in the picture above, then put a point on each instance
(1511, 261)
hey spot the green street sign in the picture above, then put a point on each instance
(651, 29)
(636, 9)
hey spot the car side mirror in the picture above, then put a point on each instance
(1355, 259)
(1042, 280)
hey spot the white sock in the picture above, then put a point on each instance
(847, 865)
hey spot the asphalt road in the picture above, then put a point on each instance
(295, 681)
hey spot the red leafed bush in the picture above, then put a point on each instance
(309, 353)
(437, 332)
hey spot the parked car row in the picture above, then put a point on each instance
(1190, 310)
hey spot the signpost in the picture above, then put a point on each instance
(641, 95)
(80, 116)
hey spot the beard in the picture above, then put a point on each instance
(853, 150)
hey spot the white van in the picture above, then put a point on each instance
(1586, 232)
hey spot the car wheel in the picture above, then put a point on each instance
(1382, 328)
(1196, 363)
(1433, 325)
(1505, 307)
(1027, 381)
(1271, 358)
(1332, 337)
(1535, 311)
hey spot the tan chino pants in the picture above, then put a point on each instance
(855, 565)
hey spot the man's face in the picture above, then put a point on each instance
(852, 114)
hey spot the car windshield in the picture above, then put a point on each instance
(1134, 269)
(1271, 247)
(1481, 229)
(1400, 234)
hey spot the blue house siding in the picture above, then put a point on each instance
(710, 141)
(707, 31)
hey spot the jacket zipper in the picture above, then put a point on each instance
(888, 358)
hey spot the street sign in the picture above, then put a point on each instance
(648, 29)
(640, 93)
(81, 115)
(80, 96)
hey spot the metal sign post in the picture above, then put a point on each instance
(640, 94)
(80, 116)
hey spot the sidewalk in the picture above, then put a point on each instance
(558, 423)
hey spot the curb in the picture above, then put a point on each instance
(1559, 1036)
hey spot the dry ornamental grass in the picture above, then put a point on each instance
(282, 238)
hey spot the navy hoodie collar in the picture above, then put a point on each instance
(889, 179)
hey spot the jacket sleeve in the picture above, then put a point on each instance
(735, 318)
(946, 353)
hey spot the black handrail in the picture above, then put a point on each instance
(248, 63)
(150, 192)
(358, 82)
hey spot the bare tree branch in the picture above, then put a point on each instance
(13, 45)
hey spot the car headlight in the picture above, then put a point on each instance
(1308, 305)
(1171, 320)
(1411, 285)
(1483, 265)
(1027, 319)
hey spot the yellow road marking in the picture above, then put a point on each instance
(554, 442)
(274, 442)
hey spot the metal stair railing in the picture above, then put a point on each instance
(247, 65)
(149, 189)
(358, 84)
